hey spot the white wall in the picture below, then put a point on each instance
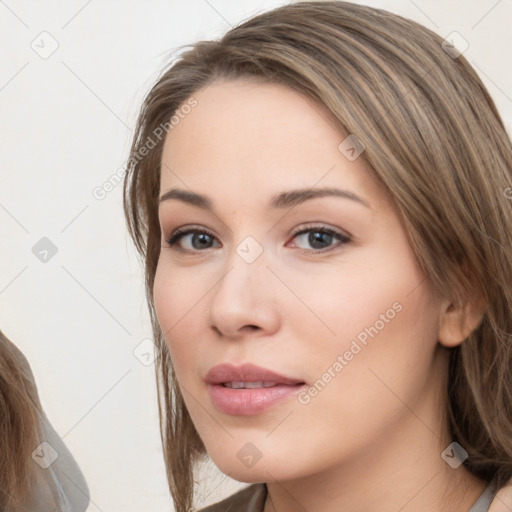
(66, 122)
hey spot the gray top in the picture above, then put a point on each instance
(483, 503)
(252, 499)
(62, 486)
(58, 485)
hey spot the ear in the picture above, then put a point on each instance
(458, 321)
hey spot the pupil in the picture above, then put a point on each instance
(203, 238)
(316, 237)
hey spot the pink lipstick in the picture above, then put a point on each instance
(248, 389)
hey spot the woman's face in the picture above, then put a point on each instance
(290, 257)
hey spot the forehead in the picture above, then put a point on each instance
(247, 113)
(251, 136)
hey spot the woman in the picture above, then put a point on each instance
(320, 199)
(37, 471)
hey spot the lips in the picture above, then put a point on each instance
(248, 389)
(224, 373)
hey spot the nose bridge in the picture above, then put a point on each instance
(244, 295)
(245, 272)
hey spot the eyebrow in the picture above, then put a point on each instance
(284, 200)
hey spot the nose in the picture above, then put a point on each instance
(244, 300)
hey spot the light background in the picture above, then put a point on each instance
(66, 122)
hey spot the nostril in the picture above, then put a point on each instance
(245, 327)
(248, 328)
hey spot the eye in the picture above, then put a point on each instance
(197, 239)
(320, 238)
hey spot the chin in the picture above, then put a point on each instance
(249, 477)
(245, 471)
(266, 469)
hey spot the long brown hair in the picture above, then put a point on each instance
(433, 138)
(20, 430)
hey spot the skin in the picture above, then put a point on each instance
(371, 439)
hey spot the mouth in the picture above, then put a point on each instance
(248, 389)
(247, 375)
(237, 384)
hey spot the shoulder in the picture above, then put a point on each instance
(502, 501)
(252, 499)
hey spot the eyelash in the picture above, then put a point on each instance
(342, 238)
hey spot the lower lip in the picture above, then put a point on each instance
(246, 402)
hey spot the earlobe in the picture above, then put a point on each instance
(457, 322)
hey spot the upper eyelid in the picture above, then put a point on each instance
(319, 227)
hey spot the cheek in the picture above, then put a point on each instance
(177, 299)
(360, 377)
(377, 310)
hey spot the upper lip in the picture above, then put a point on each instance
(247, 372)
